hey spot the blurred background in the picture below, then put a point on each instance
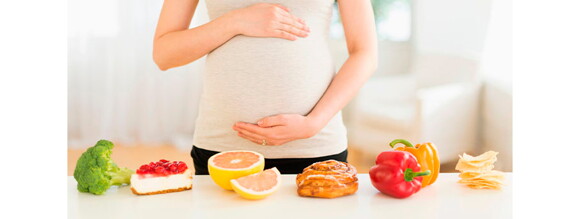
(444, 76)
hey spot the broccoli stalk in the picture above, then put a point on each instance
(96, 172)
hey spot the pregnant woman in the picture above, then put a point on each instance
(269, 84)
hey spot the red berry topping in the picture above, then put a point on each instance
(173, 168)
(162, 168)
(181, 167)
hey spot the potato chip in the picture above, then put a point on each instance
(477, 172)
(484, 186)
(481, 181)
(463, 166)
(480, 163)
(479, 175)
(490, 155)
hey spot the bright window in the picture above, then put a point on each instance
(392, 17)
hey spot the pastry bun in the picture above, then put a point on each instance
(327, 179)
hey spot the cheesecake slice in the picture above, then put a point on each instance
(161, 177)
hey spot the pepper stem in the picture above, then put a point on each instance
(410, 175)
(402, 141)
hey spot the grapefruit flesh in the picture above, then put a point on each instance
(236, 160)
(258, 185)
(229, 165)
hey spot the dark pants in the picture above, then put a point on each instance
(284, 165)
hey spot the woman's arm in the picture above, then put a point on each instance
(176, 45)
(358, 21)
(359, 29)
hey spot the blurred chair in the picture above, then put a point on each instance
(437, 101)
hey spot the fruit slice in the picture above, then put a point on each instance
(258, 185)
(229, 165)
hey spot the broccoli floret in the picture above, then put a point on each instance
(96, 172)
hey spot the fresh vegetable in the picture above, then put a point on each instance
(96, 172)
(396, 174)
(426, 154)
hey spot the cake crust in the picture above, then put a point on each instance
(161, 191)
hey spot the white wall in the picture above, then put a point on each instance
(115, 90)
(496, 117)
(452, 27)
(394, 57)
(481, 30)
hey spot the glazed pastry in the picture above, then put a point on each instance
(327, 179)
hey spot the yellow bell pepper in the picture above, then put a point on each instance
(426, 155)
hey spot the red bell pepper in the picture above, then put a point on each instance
(396, 174)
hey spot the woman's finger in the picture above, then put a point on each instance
(273, 121)
(293, 30)
(292, 20)
(260, 141)
(282, 7)
(301, 21)
(250, 138)
(270, 134)
(284, 35)
(265, 132)
(251, 134)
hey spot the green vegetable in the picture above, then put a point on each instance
(96, 172)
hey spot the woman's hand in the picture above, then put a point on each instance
(268, 20)
(278, 129)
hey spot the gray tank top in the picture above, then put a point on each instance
(249, 78)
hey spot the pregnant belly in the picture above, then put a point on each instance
(249, 78)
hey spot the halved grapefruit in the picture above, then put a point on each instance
(229, 165)
(258, 185)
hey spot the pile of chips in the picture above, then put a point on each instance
(477, 172)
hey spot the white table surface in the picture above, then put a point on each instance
(444, 199)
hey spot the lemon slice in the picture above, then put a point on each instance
(258, 185)
(229, 165)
